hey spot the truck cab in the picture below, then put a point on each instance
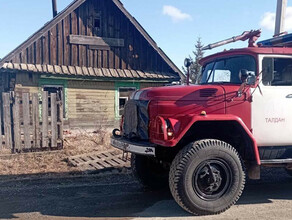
(203, 139)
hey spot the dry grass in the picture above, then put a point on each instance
(75, 143)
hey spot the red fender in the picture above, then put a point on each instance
(213, 117)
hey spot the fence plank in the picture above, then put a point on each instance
(54, 120)
(36, 120)
(26, 120)
(44, 119)
(7, 120)
(1, 138)
(61, 119)
(16, 125)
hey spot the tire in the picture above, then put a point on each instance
(192, 185)
(149, 172)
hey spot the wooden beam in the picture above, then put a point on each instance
(96, 41)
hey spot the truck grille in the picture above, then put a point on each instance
(136, 120)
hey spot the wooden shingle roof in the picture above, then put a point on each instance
(89, 72)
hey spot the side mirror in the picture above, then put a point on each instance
(187, 62)
(243, 74)
(247, 77)
(251, 79)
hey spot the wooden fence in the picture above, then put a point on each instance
(31, 122)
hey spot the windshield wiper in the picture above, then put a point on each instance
(211, 72)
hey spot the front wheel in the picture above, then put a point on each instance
(206, 177)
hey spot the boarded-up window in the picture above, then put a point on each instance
(124, 95)
(59, 90)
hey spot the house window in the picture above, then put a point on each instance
(124, 95)
(97, 22)
(97, 25)
(59, 90)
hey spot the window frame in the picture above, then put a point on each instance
(261, 58)
(273, 76)
(123, 97)
(119, 85)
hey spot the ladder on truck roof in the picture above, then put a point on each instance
(280, 41)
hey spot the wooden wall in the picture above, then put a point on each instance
(91, 104)
(54, 46)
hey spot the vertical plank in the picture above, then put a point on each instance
(53, 45)
(38, 51)
(88, 12)
(54, 120)
(44, 119)
(7, 120)
(61, 121)
(74, 25)
(45, 49)
(1, 138)
(105, 58)
(23, 56)
(26, 120)
(36, 120)
(16, 121)
(94, 58)
(60, 44)
(63, 42)
(80, 32)
(29, 54)
(130, 47)
(124, 27)
(99, 59)
(117, 35)
(111, 58)
(66, 43)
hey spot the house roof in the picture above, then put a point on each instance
(89, 72)
(74, 5)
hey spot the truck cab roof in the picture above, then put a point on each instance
(253, 51)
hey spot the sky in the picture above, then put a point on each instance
(174, 25)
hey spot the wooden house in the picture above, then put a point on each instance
(94, 54)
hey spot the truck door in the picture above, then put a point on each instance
(272, 103)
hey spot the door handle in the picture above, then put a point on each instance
(289, 96)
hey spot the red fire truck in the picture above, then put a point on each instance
(204, 139)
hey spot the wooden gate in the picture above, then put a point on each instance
(31, 122)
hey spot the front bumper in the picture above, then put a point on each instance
(142, 148)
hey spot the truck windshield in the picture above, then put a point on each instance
(227, 70)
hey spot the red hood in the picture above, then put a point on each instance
(182, 93)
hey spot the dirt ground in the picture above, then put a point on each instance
(50, 162)
(42, 186)
(121, 197)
